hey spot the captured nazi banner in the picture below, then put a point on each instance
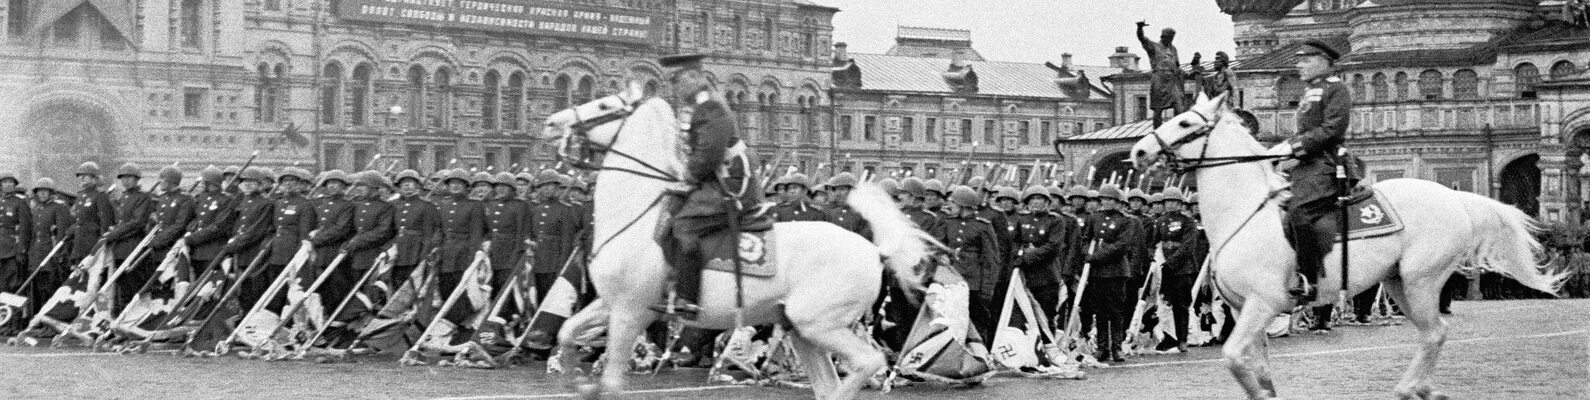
(518, 16)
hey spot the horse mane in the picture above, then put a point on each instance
(1230, 120)
(657, 111)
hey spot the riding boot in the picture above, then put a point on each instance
(1314, 236)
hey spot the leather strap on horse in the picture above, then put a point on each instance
(1342, 199)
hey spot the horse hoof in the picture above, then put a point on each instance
(589, 391)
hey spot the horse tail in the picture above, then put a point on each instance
(1507, 245)
(902, 245)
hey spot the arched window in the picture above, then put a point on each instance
(444, 99)
(1525, 77)
(651, 87)
(1359, 90)
(586, 91)
(1562, 69)
(359, 94)
(330, 94)
(560, 93)
(416, 109)
(268, 94)
(514, 102)
(767, 34)
(739, 35)
(1290, 91)
(704, 35)
(488, 103)
(1401, 81)
(1430, 85)
(1380, 87)
(1465, 84)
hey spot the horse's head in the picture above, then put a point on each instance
(593, 127)
(1183, 136)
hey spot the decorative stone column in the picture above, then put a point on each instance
(1553, 198)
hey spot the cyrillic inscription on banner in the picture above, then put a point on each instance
(520, 16)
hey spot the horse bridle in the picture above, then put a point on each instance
(1184, 165)
(578, 140)
(579, 132)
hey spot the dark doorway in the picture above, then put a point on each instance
(59, 135)
(1520, 187)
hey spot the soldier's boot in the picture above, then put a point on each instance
(1312, 240)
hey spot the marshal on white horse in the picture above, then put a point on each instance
(826, 277)
(1251, 262)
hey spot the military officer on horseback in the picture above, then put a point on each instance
(1323, 115)
(719, 188)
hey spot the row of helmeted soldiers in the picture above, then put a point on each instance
(333, 229)
(1047, 233)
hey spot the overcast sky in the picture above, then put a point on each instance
(1038, 30)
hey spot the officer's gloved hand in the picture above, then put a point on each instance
(1282, 149)
(680, 188)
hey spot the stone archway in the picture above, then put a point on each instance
(1520, 184)
(58, 134)
(1111, 164)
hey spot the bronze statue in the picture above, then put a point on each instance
(1220, 80)
(1166, 90)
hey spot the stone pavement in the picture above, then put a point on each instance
(1534, 349)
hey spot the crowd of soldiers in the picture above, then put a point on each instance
(1046, 232)
(523, 220)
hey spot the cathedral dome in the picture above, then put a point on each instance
(1271, 9)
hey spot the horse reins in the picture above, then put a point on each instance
(582, 126)
(579, 130)
(1185, 165)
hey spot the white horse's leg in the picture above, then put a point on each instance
(1419, 302)
(626, 321)
(830, 331)
(1251, 321)
(563, 356)
(819, 366)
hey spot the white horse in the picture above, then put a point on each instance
(1252, 263)
(826, 278)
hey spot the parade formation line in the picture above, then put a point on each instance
(563, 395)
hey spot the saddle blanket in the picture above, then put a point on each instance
(1371, 216)
(755, 250)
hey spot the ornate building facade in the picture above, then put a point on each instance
(1489, 96)
(932, 106)
(1481, 96)
(350, 83)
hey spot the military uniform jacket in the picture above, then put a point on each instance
(1143, 244)
(925, 220)
(173, 212)
(1322, 118)
(1077, 245)
(416, 225)
(463, 227)
(16, 227)
(252, 224)
(333, 226)
(294, 219)
(799, 210)
(1178, 234)
(977, 251)
(507, 225)
(51, 220)
(841, 214)
(213, 219)
(91, 216)
(711, 134)
(557, 228)
(372, 230)
(1115, 233)
(1040, 241)
(132, 222)
(1004, 229)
